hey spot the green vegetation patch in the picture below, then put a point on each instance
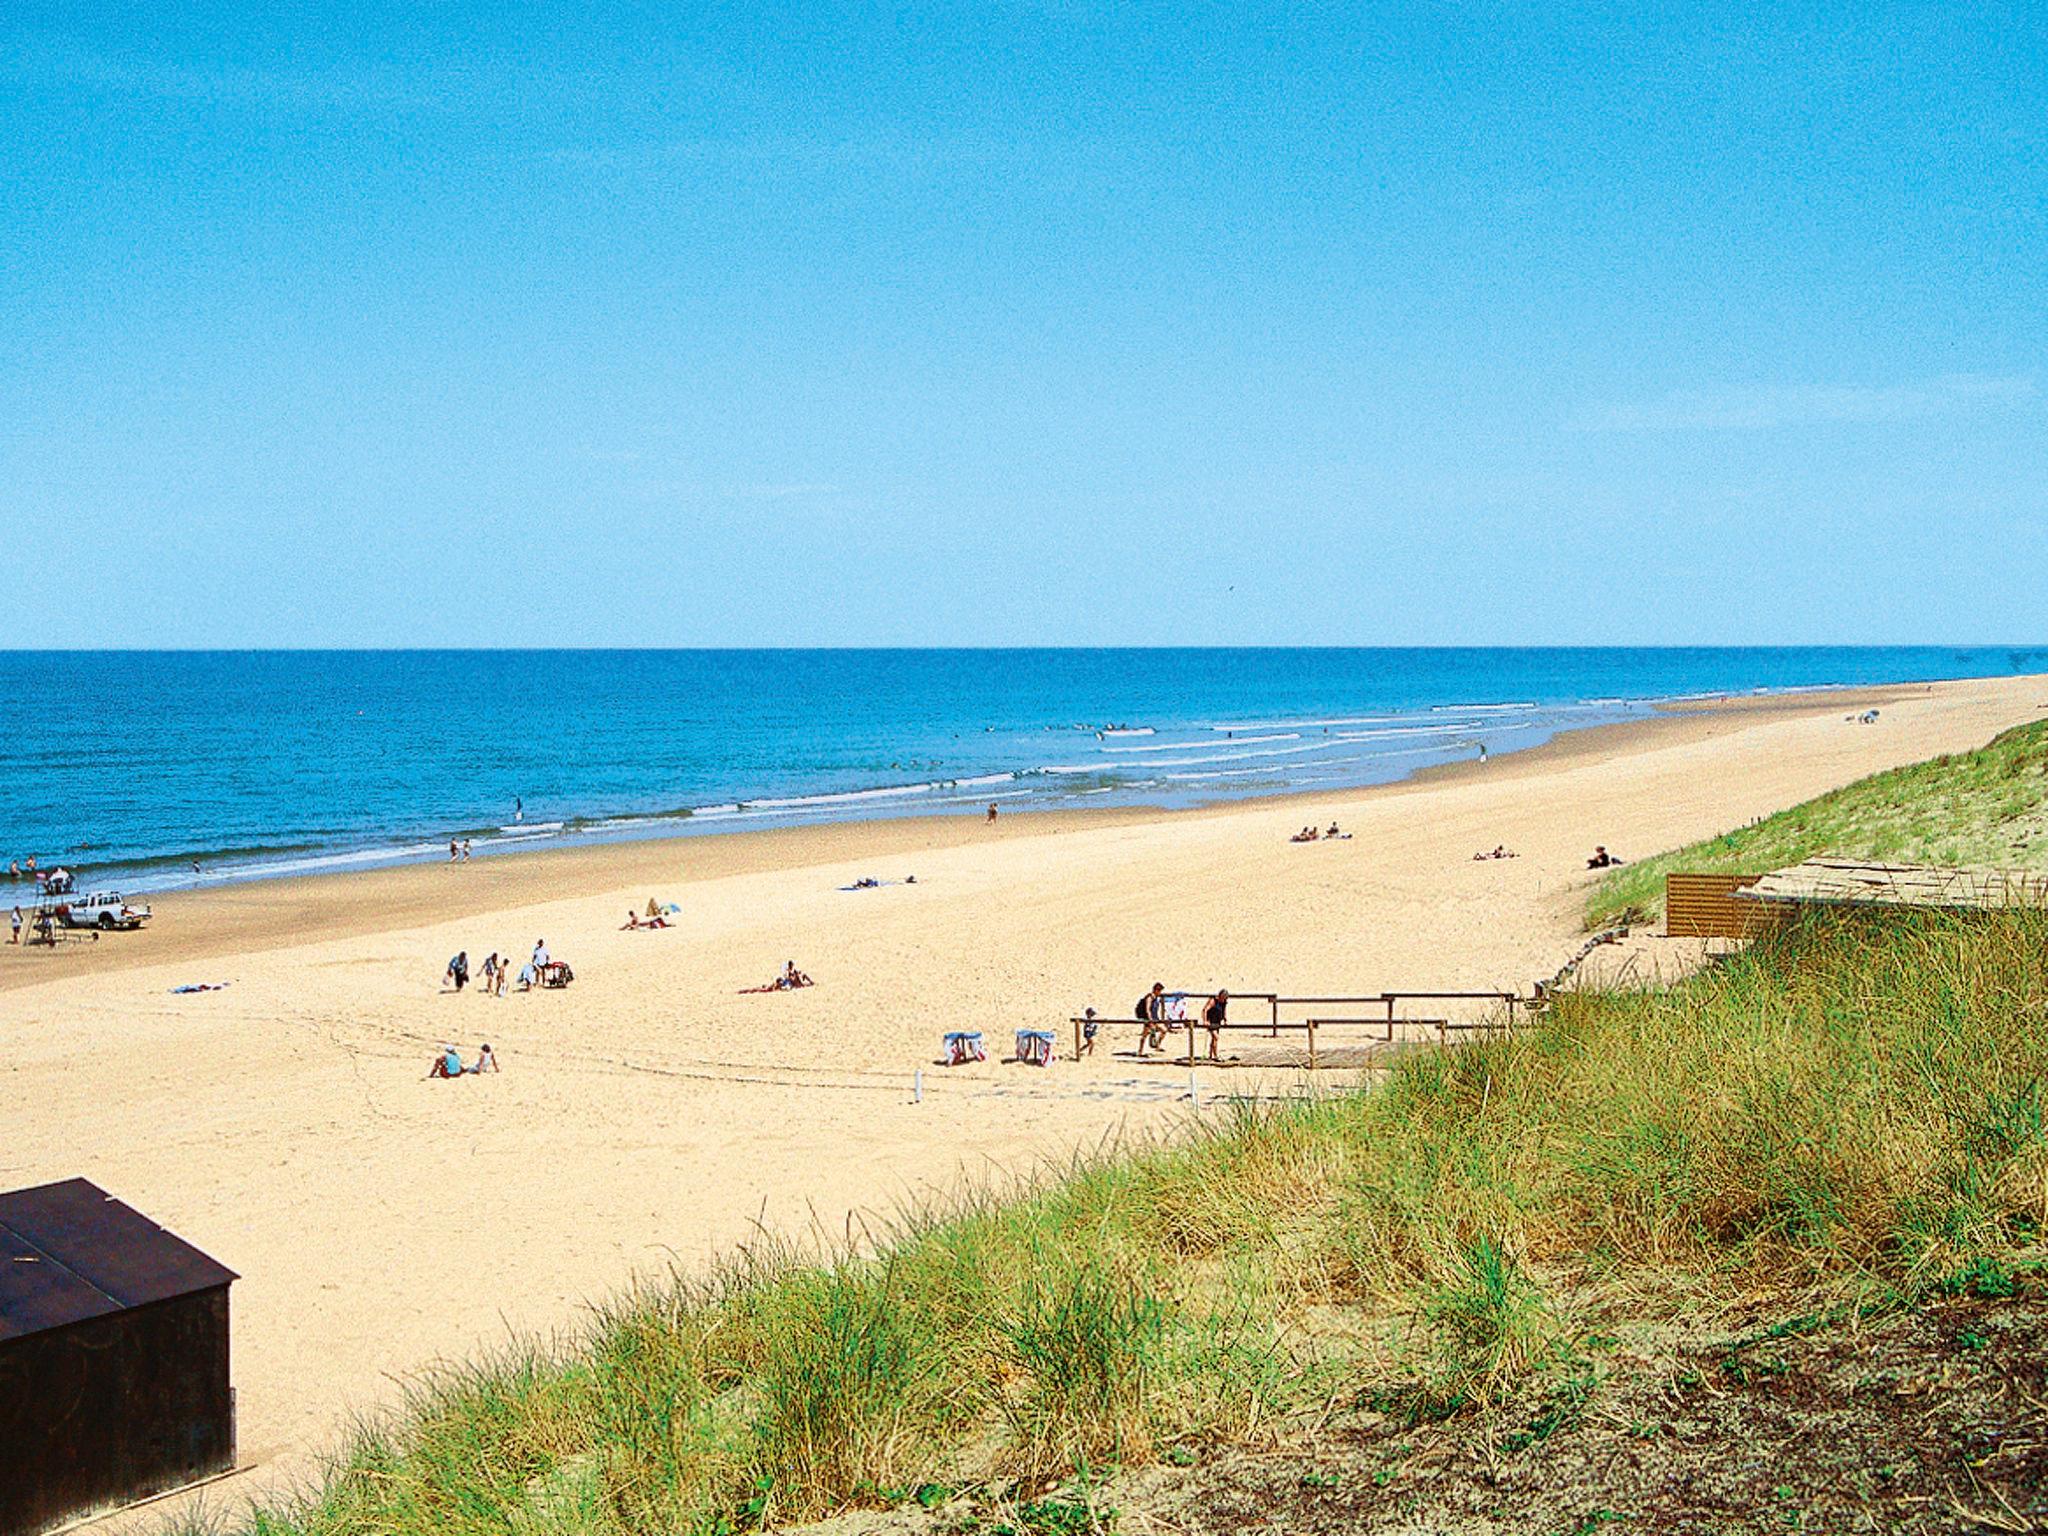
(1988, 807)
(1845, 1116)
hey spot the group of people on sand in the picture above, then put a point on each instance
(1311, 835)
(790, 979)
(1160, 1011)
(496, 973)
(448, 1062)
(1500, 851)
(54, 882)
(657, 917)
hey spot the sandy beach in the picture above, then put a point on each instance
(651, 1115)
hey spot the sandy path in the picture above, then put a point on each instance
(651, 1115)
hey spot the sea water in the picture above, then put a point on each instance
(133, 767)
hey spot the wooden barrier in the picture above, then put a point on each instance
(1704, 907)
(1386, 1017)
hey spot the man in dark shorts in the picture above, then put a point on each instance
(1151, 1013)
(1213, 1015)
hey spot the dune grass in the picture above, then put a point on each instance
(1850, 1112)
(1987, 807)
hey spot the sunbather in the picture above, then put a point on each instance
(447, 1064)
(485, 1061)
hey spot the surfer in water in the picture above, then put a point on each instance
(518, 809)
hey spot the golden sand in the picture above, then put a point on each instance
(650, 1114)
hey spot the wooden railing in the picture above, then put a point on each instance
(1377, 1010)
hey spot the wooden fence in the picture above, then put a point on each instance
(1379, 1012)
(1704, 907)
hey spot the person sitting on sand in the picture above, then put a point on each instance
(1333, 832)
(1214, 1014)
(792, 978)
(632, 920)
(447, 1064)
(1602, 859)
(485, 1061)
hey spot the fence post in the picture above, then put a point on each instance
(1276, 1016)
(1311, 1045)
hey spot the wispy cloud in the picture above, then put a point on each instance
(782, 492)
(48, 60)
(1791, 405)
(777, 151)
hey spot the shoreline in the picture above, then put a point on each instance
(658, 1113)
(264, 913)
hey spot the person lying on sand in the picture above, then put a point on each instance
(633, 921)
(1305, 835)
(790, 979)
(1499, 852)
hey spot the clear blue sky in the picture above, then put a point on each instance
(1010, 323)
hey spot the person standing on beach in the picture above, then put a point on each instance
(991, 812)
(15, 922)
(540, 957)
(458, 970)
(465, 850)
(454, 850)
(1212, 1020)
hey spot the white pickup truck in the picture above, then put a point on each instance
(101, 909)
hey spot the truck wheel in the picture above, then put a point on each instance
(107, 921)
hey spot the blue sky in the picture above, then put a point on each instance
(1022, 323)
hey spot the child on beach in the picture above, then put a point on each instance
(504, 975)
(490, 972)
(1089, 1026)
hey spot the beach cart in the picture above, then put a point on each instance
(1035, 1047)
(963, 1046)
(556, 973)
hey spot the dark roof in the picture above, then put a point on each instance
(70, 1251)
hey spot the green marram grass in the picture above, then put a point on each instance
(1851, 1112)
(1987, 807)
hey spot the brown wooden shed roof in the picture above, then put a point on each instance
(70, 1251)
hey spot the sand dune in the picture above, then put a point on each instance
(651, 1114)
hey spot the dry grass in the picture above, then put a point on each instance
(1852, 1113)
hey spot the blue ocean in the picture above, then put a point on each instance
(135, 767)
